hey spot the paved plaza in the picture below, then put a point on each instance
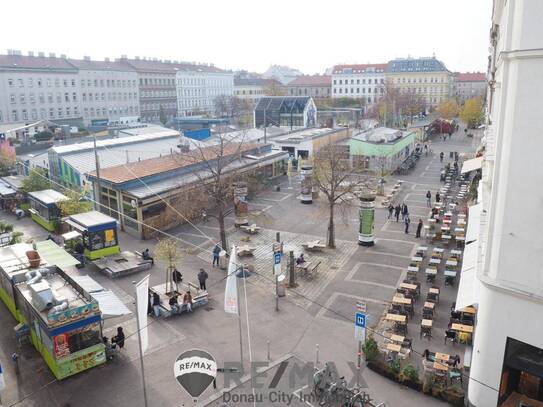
(315, 320)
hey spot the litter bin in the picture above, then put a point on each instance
(451, 154)
(281, 290)
(223, 262)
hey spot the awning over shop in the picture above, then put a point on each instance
(55, 255)
(472, 165)
(467, 289)
(110, 304)
(474, 222)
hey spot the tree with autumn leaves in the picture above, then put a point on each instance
(472, 112)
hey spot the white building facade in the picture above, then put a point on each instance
(36, 87)
(365, 81)
(109, 91)
(508, 342)
(198, 88)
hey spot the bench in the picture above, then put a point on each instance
(308, 270)
(314, 246)
(199, 298)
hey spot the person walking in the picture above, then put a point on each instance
(405, 211)
(177, 278)
(441, 155)
(429, 199)
(426, 150)
(187, 300)
(407, 221)
(156, 304)
(438, 197)
(202, 277)
(216, 251)
(419, 228)
(390, 210)
(119, 338)
(397, 211)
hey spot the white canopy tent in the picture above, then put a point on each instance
(474, 223)
(109, 303)
(467, 289)
(472, 165)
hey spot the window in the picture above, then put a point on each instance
(357, 90)
(352, 90)
(73, 82)
(82, 83)
(65, 82)
(1, 116)
(51, 112)
(12, 98)
(30, 82)
(42, 98)
(74, 97)
(90, 97)
(24, 114)
(84, 96)
(358, 81)
(96, 82)
(340, 90)
(22, 99)
(346, 90)
(68, 112)
(21, 83)
(39, 83)
(59, 98)
(66, 97)
(32, 98)
(89, 83)
(59, 112)
(76, 111)
(334, 81)
(34, 114)
(340, 82)
(10, 83)
(14, 116)
(57, 83)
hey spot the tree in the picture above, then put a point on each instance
(162, 115)
(472, 112)
(229, 106)
(448, 109)
(75, 204)
(274, 88)
(334, 177)
(36, 181)
(167, 250)
(7, 162)
(216, 175)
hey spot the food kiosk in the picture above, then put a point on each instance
(98, 232)
(44, 208)
(62, 318)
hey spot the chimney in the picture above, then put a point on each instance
(10, 52)
(137, 58)
(124, 57)
(41, 54)
(86, 58)
(17, 52)
(30, 54)
(63, 56)
(106, 59)
(52, 55)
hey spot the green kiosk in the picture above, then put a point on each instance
(99, 233)
(44, 208)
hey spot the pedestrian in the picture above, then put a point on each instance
(204, 216)
(426, 150)
(429, 199)
(419, 228)
(407, 221)
(390, 210)
(441, 155)
(202, 277)
(450, 135)
(119, 338)
(438, 197)
(455, 165)
(187, 300)
(405, 211)
(216, 251)
(156, 304)
(150, 303)
(177, 278)
(174, 305)
(147, 256)
(397, 211)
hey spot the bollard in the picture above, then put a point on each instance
(317, 356)
(15, 360)
(269, 357)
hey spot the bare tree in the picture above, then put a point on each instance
(167, 250)
(217, 172)
(333, 175)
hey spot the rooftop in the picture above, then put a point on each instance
(15, 181)
(88, 64)
(381, 135)
(35, 63)
(426, 64)
(92, 218)
(159, 165)
(150, 65)
(470, 77)
(359, 68)
(311, 80)
(48, 196)
(304, 135)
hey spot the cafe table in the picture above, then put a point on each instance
(426, 322)
(442, 356)
(462, 328)
(438, 250)
(434, 291)
(431, 271)
(440, 366)
(397, 338)
(433, 260)
(408, 286)
(413, 269)
(396, 318)
(469, 310)
(393, 347)
(451, 262)
(416, 259)
(401, 300)
(429, 305)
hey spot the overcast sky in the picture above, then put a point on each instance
(252, 34)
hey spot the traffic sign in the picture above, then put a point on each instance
(361, 306)
(360, 326)
(277, 263)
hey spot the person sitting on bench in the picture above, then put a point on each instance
(174, 305)
(146, 256)
(300, 260)
(187, 300)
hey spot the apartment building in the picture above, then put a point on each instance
(108, 91)
(199, 85)
(467, 85)
(317, 86)
(425, 77)
(361, 81)
(507, 285)
(156, 83)
(36, 87)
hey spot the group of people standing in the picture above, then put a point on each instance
(403, 210)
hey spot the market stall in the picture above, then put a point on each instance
(44, 208)
(98, 233)
(62, 319)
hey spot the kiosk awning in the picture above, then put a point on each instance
(467, 289)
(474, 223)
(472, 165)
(55, 255)
(110, 304)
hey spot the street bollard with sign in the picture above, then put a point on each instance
(360, 334)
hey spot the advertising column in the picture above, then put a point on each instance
(306, 175)
(367, 209)
(240, 204)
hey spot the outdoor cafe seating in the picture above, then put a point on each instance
(426, 328)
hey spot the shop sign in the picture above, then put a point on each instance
(83, 360)
(72, 314)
